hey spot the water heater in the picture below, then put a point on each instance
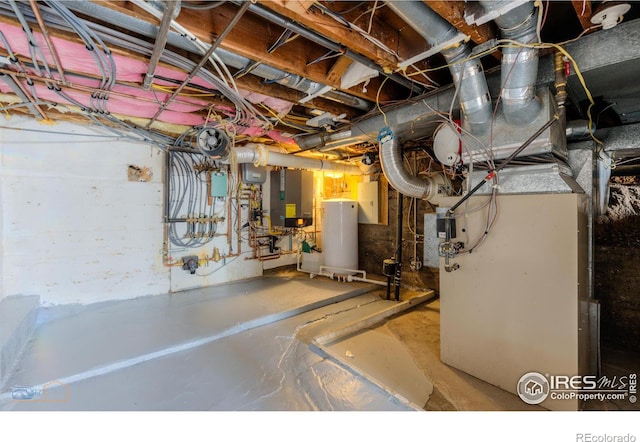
(340, 233)
(291, 203)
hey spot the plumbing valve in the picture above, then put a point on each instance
(190, 263)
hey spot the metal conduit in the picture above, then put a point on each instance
(202, 62)
(331, 45)
(171, 7)
(14, 85)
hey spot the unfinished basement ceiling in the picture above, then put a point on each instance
(278, 70)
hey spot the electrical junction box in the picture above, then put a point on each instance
(219, 184)
(291, 198)
(252, 174)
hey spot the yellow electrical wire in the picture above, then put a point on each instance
(576, 68)
(557, 46)
(280, 120)
(498, 46)
(378, 101)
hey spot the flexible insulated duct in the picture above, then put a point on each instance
(391, 161)
(468, 76)
(519, 69)
(260, 155)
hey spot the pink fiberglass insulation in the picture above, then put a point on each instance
(280, 106)
(115, 104)
(75, 57)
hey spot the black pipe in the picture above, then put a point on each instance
(398, 276)
(388, 287)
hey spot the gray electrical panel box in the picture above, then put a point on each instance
(291, 198)
(252, 174)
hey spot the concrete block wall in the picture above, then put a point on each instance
(75, 229)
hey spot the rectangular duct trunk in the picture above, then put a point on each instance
(503, 139)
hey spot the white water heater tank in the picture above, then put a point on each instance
(340, 233)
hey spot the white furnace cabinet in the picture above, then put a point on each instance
(519, 303)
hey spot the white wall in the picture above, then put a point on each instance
(74, 229)
(226, 270)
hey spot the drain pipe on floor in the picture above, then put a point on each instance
(339, 274)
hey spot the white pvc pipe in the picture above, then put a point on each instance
(260, 155)
(347, 278)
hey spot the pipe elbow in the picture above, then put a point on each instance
(393, 168)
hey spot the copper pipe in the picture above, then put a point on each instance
(45, 33)
(560, 81)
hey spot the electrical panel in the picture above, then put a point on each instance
(291, 198)
(368, 202)
(252, 174)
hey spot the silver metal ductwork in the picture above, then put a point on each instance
(519, 69)
(391, 161)
(468, 76)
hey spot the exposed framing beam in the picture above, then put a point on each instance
(453, 12)
(255, 84)
(205, 58)
(584, 12)
(247, 82)
(250, 38)
(312, 18)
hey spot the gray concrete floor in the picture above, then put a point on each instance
(245, 346)
(419, 331)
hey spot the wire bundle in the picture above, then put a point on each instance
(193, 223)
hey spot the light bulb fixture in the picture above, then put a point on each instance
(610, 13)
